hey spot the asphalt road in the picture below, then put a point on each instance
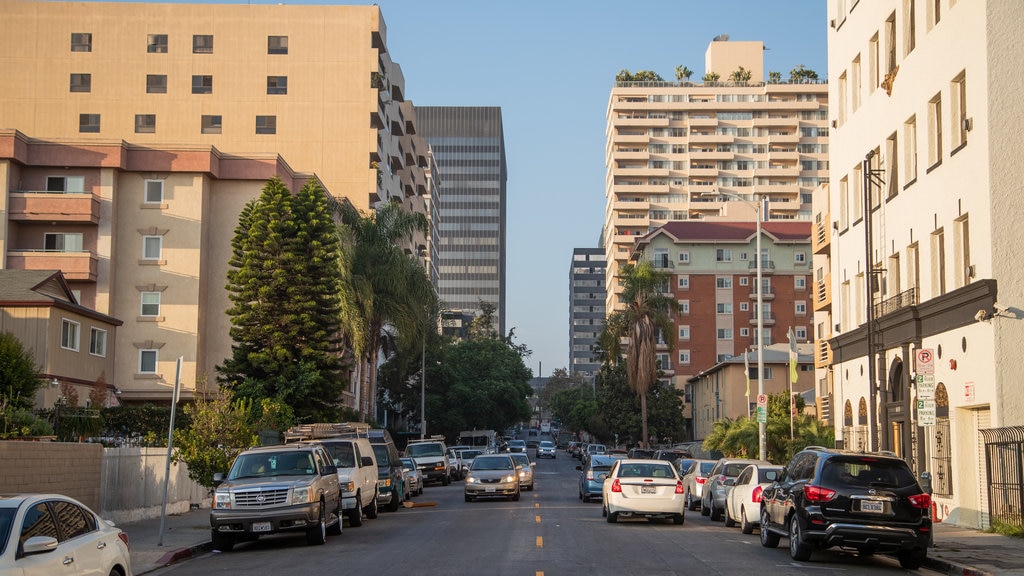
(548, 532)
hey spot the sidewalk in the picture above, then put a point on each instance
(957, 551)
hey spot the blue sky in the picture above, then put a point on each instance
(550, 67)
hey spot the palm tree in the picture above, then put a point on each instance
(711, 77)
(683, 73)
(386, 291)
(645, 315)
(741, 74)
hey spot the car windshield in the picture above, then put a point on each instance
(504, 463)
(520, 459)
(517, 443)
(380, 453)
(408, 463)
(6, 517)
(342, 454)
(273, 464)
(427, 449)
(645, 471)
(867, 473)
(469, 454)
(546, 444)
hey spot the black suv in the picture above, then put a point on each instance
(869, 502)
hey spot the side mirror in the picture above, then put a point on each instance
(366, 461)
(218, 477)
(729, 481)
(329, 469)
(39, 544)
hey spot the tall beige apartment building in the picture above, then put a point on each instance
(684, 151)
(131, 135)
(924, 213)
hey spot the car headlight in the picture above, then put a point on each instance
(222, 500)
(522, 473)
(385, 483)
(471, 480)
(302, 495)
(509, 478)
(348, 487)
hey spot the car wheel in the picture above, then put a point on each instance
(715, 513)
(318, 534)
(585, 498)
(395, 502)
(769, 539)
(336, 528)
(729, 521)
(515, 497)
(530, 487)
(912, 559)
(691, 504)
(798, 549)
(371, 510)
(222, 542)
(746, 526)
(355, 515)
(612, 517)
(678, 518)
(705, 510)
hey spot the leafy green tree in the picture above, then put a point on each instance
(741, 74)
(483, 325)
(559, 380)
(711, 77)
(739, 437)
(683, 73)
(624, 75)
(220, 430)
(802, 74)
(646, 314)
(388, 295)
(619, 409)
(647, 76)
(775, 77)
(19, 382)
(284, 285)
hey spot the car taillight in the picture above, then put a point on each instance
(616, 487)
(124, 538)
(755, 496)
(920, 500)
(818, 494)
(722, 478)
(590, 474)
(679, 487)
(700, 479)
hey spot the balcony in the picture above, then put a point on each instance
(784, 138)
(821, 236)
(767, 266)
(822, 354)
(823, 294)
(767, 294)
(897, 302)
(74, 265)
(49, 207)
(631, 205)
(767, 318)
(631, 138)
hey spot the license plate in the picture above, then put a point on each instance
(489, 489)
(261, 526)
(648, 490)
(874, 506)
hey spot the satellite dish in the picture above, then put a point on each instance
(721, 38)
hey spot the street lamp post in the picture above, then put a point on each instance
(423, 390)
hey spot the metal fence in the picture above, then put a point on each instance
(1004, 464)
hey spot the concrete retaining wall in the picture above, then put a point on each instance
(121, 484)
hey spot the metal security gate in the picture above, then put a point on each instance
(1004, 463)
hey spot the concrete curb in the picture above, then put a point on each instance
(177, 556)
(949, 568)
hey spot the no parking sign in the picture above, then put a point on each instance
(925, 361)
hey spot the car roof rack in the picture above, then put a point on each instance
(434, 438)
(322, 430)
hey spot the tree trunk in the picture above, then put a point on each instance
(643, 420)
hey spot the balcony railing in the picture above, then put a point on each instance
(897, 302)
(766, 265)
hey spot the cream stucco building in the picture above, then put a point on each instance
(924, 222)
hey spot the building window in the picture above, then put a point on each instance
(684, 257)
(81, 82)
(150, 304)
(723, 282)
(855, 84)
(909, 26)
(154, 192)
(69, 334)
(277, 44)
(938, 263)
(841, 117)
(890, 43)
(81, 41)
(145, 123)
(745, 332)
(725, 333)
(873, 78)
(147, 361)
(683, 282)
(202, 84)
(156, 43)
(684, 306)
(684, 332)
(89, 123)
(892, 171)
(156, 84)
(66, 184)
(800, 282)
(935, 131)
(211, 124)
(152, 247)
(962, 251)
(62, 242)
(800, 307)
(934, 13)
(98, 342)
(684, 356)
(958, 108)
(801, 333)
(277, 84)
(800, 258)
(662, 361)
(266, 124)
(202, 44)
(910, 149)
(744, 306)
(744, 281)
(723, 308)
(723, 255)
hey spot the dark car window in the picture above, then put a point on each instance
(342, 453)
(706, 468)
(867, 473)
(381, 452)
(492, 464)
(6, 517)
(733, 470)
(765, 476)
(744, 476)
(74, 521)
(38, 522)
(801, 467)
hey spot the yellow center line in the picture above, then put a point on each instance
(536, 504)
(540, 541)
(538, 518)
(539, 573)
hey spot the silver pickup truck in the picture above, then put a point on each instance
(276, 489)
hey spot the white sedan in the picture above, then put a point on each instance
(743, 495)
(637, 488)
(44, 534)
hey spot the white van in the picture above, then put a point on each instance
(357, 474)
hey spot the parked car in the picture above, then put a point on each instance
(466, 458)
(592, 476)
(391, 485)
(694, 481)
(455, 462)
(357, 476)
(642, 489)
(572, 448)
(683, 465)
(713, 496)
(492, 475)
(671, 455)
(292, 487)
(415, 476)
(54, 534)
(870, 502)
(517, 446)
(546, 449)
(593, 449)
(525, 470)
(743, 495)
